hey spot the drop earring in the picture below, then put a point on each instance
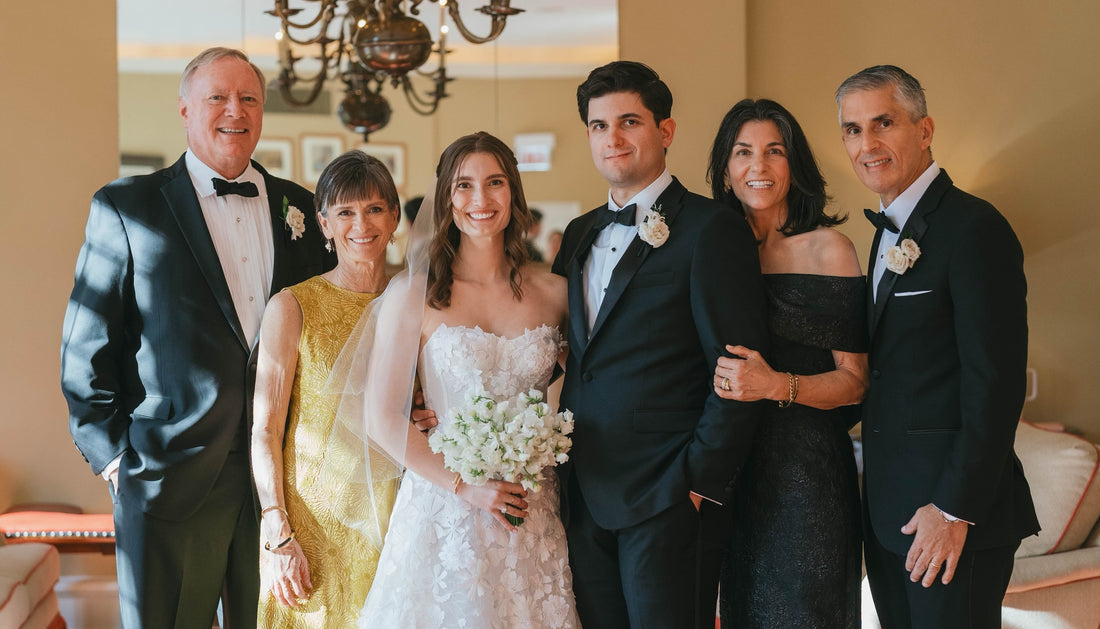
(328, 245)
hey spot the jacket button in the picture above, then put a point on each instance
(587, 376)
(875, 373)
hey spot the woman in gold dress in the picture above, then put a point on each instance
(315, 570)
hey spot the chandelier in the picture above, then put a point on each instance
(367, 43)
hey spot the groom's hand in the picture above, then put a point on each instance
(424, 419)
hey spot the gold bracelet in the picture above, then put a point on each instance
(455, 483)
(268, 547)
(275, 508)
(792, 391)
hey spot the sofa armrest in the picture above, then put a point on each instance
(1043, 571)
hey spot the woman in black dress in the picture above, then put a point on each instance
(794, 558)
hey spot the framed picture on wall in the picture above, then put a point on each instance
(277, 156)
(392, 155)
(317, 152)
(131, 164)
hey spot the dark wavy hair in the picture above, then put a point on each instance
(444, 246)
(626, 76)
(806, 198)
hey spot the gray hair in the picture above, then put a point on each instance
(907, 89)
(210, 55)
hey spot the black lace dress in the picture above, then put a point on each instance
(794, 558)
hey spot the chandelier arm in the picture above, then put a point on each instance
(418, 104)
(283, 13)
(285, 83)
(497, 27)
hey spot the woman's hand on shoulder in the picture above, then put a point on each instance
(497, 498)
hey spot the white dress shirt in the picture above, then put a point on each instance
(241, 230)
(899, 212)
(611, 243)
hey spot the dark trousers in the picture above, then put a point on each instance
(661, 573)
(971, 601)
(172, 573)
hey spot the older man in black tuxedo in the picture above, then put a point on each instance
(660, 279)
(946, 501)
(170, 285)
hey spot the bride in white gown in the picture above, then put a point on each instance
(451, 558)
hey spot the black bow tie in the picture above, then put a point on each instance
(881, 221)
(624, 216)
(243, 188)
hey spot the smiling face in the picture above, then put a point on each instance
(628, 144)
(223, 114)
(359, 229)
(758, 170)
(481, 197)
(888, 149)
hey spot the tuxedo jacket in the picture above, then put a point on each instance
(948, 355)
(648, 426)
(154, 363)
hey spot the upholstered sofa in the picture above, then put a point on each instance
(1056, 578)
(28, 573)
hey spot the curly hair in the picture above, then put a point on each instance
(443, 248)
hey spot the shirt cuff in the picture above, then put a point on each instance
(950, 518)
(111, 468)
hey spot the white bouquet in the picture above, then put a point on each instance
(510, 440)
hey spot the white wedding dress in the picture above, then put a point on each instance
(446, 563)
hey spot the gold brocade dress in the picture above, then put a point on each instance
(342, 562)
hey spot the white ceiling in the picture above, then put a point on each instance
(550, 38)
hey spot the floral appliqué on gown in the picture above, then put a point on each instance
(446, 563)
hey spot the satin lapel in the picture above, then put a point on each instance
(671, 202)
(914, 229)
(179, 193)
(280, 237)
(578, 319)
(870, 283)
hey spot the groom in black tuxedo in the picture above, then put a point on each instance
(945, 499)
(156, 364)
(660, 279)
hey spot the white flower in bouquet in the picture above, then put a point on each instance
(511, 440)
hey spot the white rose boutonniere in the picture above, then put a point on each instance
(653, 230)
(900, 257)
(295, 220)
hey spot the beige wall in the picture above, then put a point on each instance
(701, 54)
(59, 124)
(1013, 87)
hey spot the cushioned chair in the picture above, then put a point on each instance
(1056, 578)
(28, 573)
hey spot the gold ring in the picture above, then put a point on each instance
(725, 384)
(934, 565)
